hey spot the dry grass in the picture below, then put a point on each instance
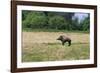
(29, 38)
(43, 46)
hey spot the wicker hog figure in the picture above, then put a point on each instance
(64, 39)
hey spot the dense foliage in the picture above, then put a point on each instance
(53, 20)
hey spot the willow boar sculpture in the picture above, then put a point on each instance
(64, 39)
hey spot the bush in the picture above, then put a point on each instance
(38, 22)
(35, 20)
(26, 24)
(57, 22)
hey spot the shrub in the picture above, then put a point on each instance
(57, 22)
(35, 20)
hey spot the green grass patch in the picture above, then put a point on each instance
(52, 30)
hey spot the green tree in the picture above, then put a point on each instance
(75, 24)
(57, 22)
(24, 14)
(86, 24)
(35, 20)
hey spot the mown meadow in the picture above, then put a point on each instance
(43, 46)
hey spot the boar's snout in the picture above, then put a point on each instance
(59, 38)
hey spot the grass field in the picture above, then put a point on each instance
(43, 46)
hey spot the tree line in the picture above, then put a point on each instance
(53, 20)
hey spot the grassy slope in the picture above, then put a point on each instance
(43, 46)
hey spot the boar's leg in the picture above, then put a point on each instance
(63, 43)
(69, 42)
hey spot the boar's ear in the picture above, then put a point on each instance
(61, 36)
